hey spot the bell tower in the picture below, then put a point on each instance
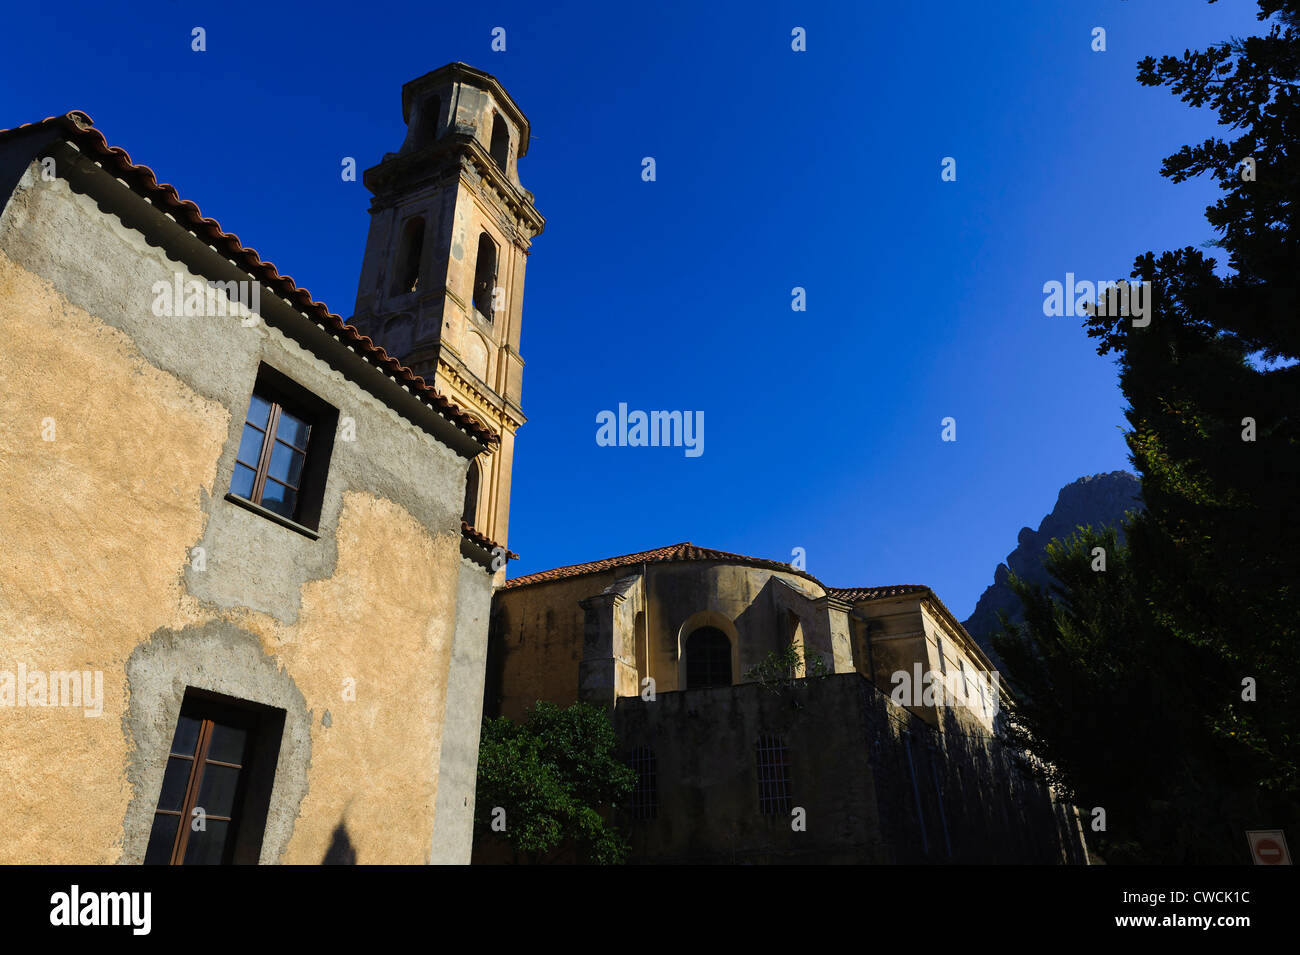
(442, 280)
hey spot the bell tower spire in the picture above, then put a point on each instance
(442, 280)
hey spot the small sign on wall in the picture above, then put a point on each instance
(1268, 847)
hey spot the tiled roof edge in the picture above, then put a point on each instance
(78, 128)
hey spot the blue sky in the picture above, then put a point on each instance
(775, 169)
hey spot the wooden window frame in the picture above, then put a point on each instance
(250, 805)
(262, 469)
(284, 394)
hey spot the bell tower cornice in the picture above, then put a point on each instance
(399, 175)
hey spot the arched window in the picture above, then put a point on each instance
(500, 142)
(471, 495)
(708, 659)
(485, 275)
(410, 251)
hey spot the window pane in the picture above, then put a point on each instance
(227, 745)
(242, 483)
(174, 781)
(291, 429)
(161, 840)
(276, 497)
(187, 736)
(217, 791)
(250, 446)
(286, 464)
(207, 848)
(259, 410)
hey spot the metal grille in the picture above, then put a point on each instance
(774, 795)
(645, 798)
(708, 658)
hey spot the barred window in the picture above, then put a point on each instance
(708, 658)
(774, 794)
(645, 797)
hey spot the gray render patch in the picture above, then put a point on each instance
(221, 658)
(108, 268)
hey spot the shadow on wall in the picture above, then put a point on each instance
(341, 851)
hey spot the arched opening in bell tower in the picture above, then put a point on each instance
(470, 514)
(485, 275)
(500, 148)
(430, 113)
(410, 251)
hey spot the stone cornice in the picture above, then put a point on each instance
(434, 161)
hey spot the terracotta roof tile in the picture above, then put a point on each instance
(854, 594)
(673, 552)
(478, 537)
(78, 128)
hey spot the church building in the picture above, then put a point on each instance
(881, 743)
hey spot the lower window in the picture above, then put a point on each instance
(217, 785)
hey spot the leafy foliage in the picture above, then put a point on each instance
(782, 668)
(1206, 594)
(1101, 691)
(556, 777)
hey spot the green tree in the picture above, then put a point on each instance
(1207, 591)
(784, 668)
(556, 778)
(1102, 691)
(1214, 394)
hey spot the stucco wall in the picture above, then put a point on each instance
(97, 563)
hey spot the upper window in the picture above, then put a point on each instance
(217, 785)
(708, 658)
(284, 450)
(500, 142)
(485, 275)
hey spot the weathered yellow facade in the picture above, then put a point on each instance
(123, 555)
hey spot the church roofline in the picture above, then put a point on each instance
(686, 551)
(77, 128)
